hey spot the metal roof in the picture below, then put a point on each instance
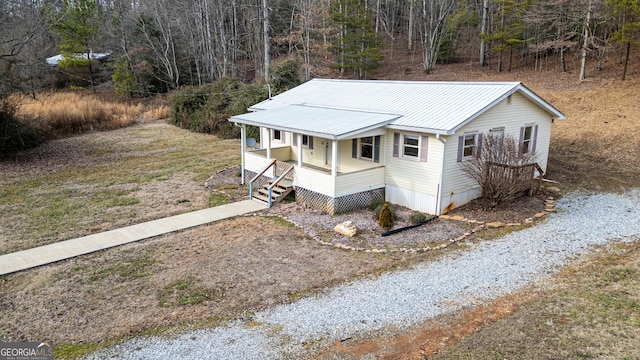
(317, 121)
(426, 106)
(54, 60)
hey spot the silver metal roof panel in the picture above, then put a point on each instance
(431, 106)
(317, 121)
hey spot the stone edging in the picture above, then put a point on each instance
(481, 225)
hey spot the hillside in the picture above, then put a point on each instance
(598, 146)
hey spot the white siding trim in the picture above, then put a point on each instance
(412, 199)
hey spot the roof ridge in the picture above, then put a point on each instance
(434, 82)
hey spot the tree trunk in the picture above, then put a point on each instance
(410, 30)
(483, 31)
(267, 48)
(585, 43)
(93, 86)
(626, 61)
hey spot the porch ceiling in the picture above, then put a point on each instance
(328, 123)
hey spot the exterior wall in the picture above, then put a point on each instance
(315, 156)
(458, 188)
(359, 181)
(412, 183)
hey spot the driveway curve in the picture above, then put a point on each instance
(403, 298)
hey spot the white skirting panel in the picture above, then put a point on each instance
(411, 199)
(452, 201)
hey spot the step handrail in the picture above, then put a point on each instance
(264, 170)
(276, 182)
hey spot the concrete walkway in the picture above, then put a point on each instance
(42, 255)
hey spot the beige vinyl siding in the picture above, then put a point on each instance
(360, 181)
(315, 156)
(314, 180)
(346, 163)
(511, 116)
(414, 175)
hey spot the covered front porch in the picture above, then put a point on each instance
(323, 187)
(334, 158)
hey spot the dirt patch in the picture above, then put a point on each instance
(424, 340)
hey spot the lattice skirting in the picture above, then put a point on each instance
(340, 204)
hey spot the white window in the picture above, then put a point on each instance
(277, 135)
(305, 140)
(366, 148)
(497, 132)
(469, 145)
(410, 146)
(527, 137)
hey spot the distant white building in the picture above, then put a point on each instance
(54, 60)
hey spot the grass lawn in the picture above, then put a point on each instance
(100, 181)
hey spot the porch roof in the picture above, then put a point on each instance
(337, 124)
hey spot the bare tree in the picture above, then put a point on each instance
(502, 168)
(434, 14)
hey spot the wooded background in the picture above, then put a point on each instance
(160, 45)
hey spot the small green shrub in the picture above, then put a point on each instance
(386, 219)
(378, 209)
(207, 108)
(15, 134)
(374, 204)
(417, 218)
(285, 76)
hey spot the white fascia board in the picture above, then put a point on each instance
(417, 129)
(320, 134)
(528, 93)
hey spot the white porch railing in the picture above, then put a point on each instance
(321, 181)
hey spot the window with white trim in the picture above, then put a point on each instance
(278, 135)
(410, 146)
(366, 148)
(469, 145)
(497, 132)
(305, 140)
(527, 138)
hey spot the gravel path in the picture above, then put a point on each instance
(404, 298)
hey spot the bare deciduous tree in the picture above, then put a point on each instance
(503, 169)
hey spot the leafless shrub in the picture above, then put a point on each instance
(502, 170)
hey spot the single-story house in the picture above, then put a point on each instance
(341, 144)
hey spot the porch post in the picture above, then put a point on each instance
(334, 158)
(243, 138)
(268, 143)
(299, 150)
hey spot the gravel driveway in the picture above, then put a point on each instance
(400, 299)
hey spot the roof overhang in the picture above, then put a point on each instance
(527, 93)
(328, 123)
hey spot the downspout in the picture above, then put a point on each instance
(243, 135)
(439, 194)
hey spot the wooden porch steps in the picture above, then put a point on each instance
(279, 192)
